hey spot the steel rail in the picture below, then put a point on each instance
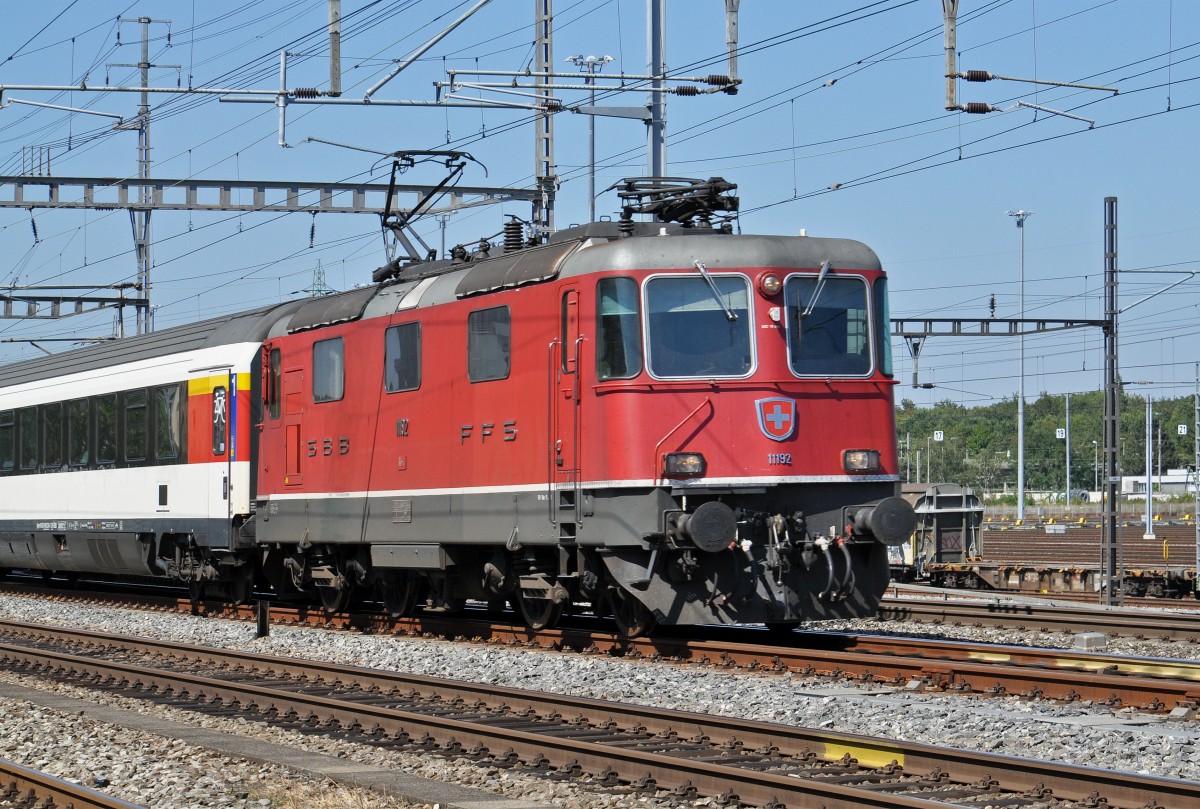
(1126, 623)
(22, 786)
(935, 764)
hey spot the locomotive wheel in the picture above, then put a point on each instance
(334, 600)
(196, 592)
(631, 616)
(538, 613)
(241, 588)
(398, 591)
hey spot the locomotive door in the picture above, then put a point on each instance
(564, 408)
(293, 410)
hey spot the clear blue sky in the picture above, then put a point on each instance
(927, 189)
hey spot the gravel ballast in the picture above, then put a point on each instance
(148, 769)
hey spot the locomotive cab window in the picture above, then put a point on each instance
(402, 357)
(329, 370)
(489, 341)
(883, 324)
(697, 330)
(618, 329)
(828, 326)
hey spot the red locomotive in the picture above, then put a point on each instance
(660, 420)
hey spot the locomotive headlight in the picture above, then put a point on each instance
(684, 465)
(860, 460)
(769, 284)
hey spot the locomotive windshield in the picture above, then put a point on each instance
(828, 326)
(690, 329)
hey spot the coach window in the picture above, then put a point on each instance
(489, 344)
(27, 437)
(274, 382)
(168, 419)
(106, 428)
(136, 433)
(329, 370)
(220, 419)
(78, 443)
(52, 436)
(8, 441)
(402, 357)
(618, 329)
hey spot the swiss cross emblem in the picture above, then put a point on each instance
(776, 417)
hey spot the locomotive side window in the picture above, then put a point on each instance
(136, 432)
(78, 444)
(402, 357)
(697, 330)
(168, 417)
(106, 428)
(8, 441)
(618, 329)
(27, 432)
(883, 325)
(828, 326)
(329, 370)
(52, 435)
(274, 382)
(489, 343)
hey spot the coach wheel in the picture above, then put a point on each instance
(196, 592)
(538, 613)
(398, 591)
(631, 616)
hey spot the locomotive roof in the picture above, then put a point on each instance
(721, 251)
(252, 326)
(575, 251)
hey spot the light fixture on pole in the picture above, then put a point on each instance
(1149, 470)
(1021, 216)
(593, 65)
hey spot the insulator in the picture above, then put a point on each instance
(976, 108)
(514, 236)
(625, 224)
(977, 75)
(306, 92)
(686, 90)
(717, 80)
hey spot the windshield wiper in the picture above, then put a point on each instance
(729, 313)
(821, 276)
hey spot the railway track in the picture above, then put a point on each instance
(1172, 625)
(611, 745)
(25, 787)
(926, 664)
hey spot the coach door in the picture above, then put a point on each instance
(565, 396)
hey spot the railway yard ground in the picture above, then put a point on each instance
(149, 753)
